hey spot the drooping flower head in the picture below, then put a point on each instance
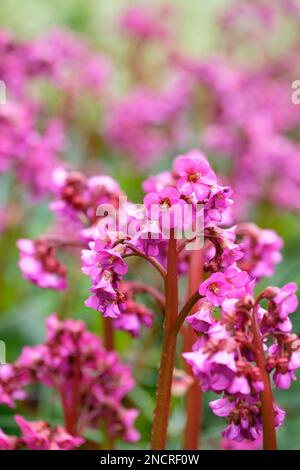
(40, 265)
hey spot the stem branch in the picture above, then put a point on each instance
(185, 311)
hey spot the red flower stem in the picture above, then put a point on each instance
(193, 424)
(109, 344)
(76, 398)
(165, 374)
(67, 421)
(108, 334)
(267, 400)
(71, 409)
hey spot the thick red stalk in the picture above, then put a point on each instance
(67, 417)
(109, 344)
(108, 334)
(165, 375)
(71, 409)
(193, 424)
(267, 400)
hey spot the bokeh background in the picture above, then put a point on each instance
(23, 307)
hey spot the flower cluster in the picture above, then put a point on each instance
(225, 356)
(145, 24)
(246, 116)
(192, 182)
(77, 198)
(91, 384)
(32, 139)
(147, 123)
(134, 314)
(246, 129)
(261, 248)
(246, 112)
(33, 155)
(39, 264)
(38, 435)
(57, 57)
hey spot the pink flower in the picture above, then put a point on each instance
(129, 417)
(215, 289)
(239, 281)
(244, 416)
(261, 250)
(144, 23)
(285, 361)
(218, 202)
(224, 250)
(283, 381)
(39, 264)
(222, 406)
(227, 444)
(215, 372)
(147, 124)
(201, 320)
(78, 197)
(112, 259)
(134, 315)
(286, 300)
(11, 385)
(234, 432)
(154, 184)
(165, 206)
(105, 266)
(279, 415)
(105, 297)
(8, 442)
(39, 436)
(96, 395)
(281, 303)
(196, 175)
(103, 257)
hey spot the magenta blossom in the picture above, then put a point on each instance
(38, 435)
(216, 372)
(215, 288)
(39, 264)
(244, 416)
(145, 24)
(262, 250)
(201, 320)
(286, 300)
(196, 175)
(94, 398)
(165, 206)
(8, 442)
